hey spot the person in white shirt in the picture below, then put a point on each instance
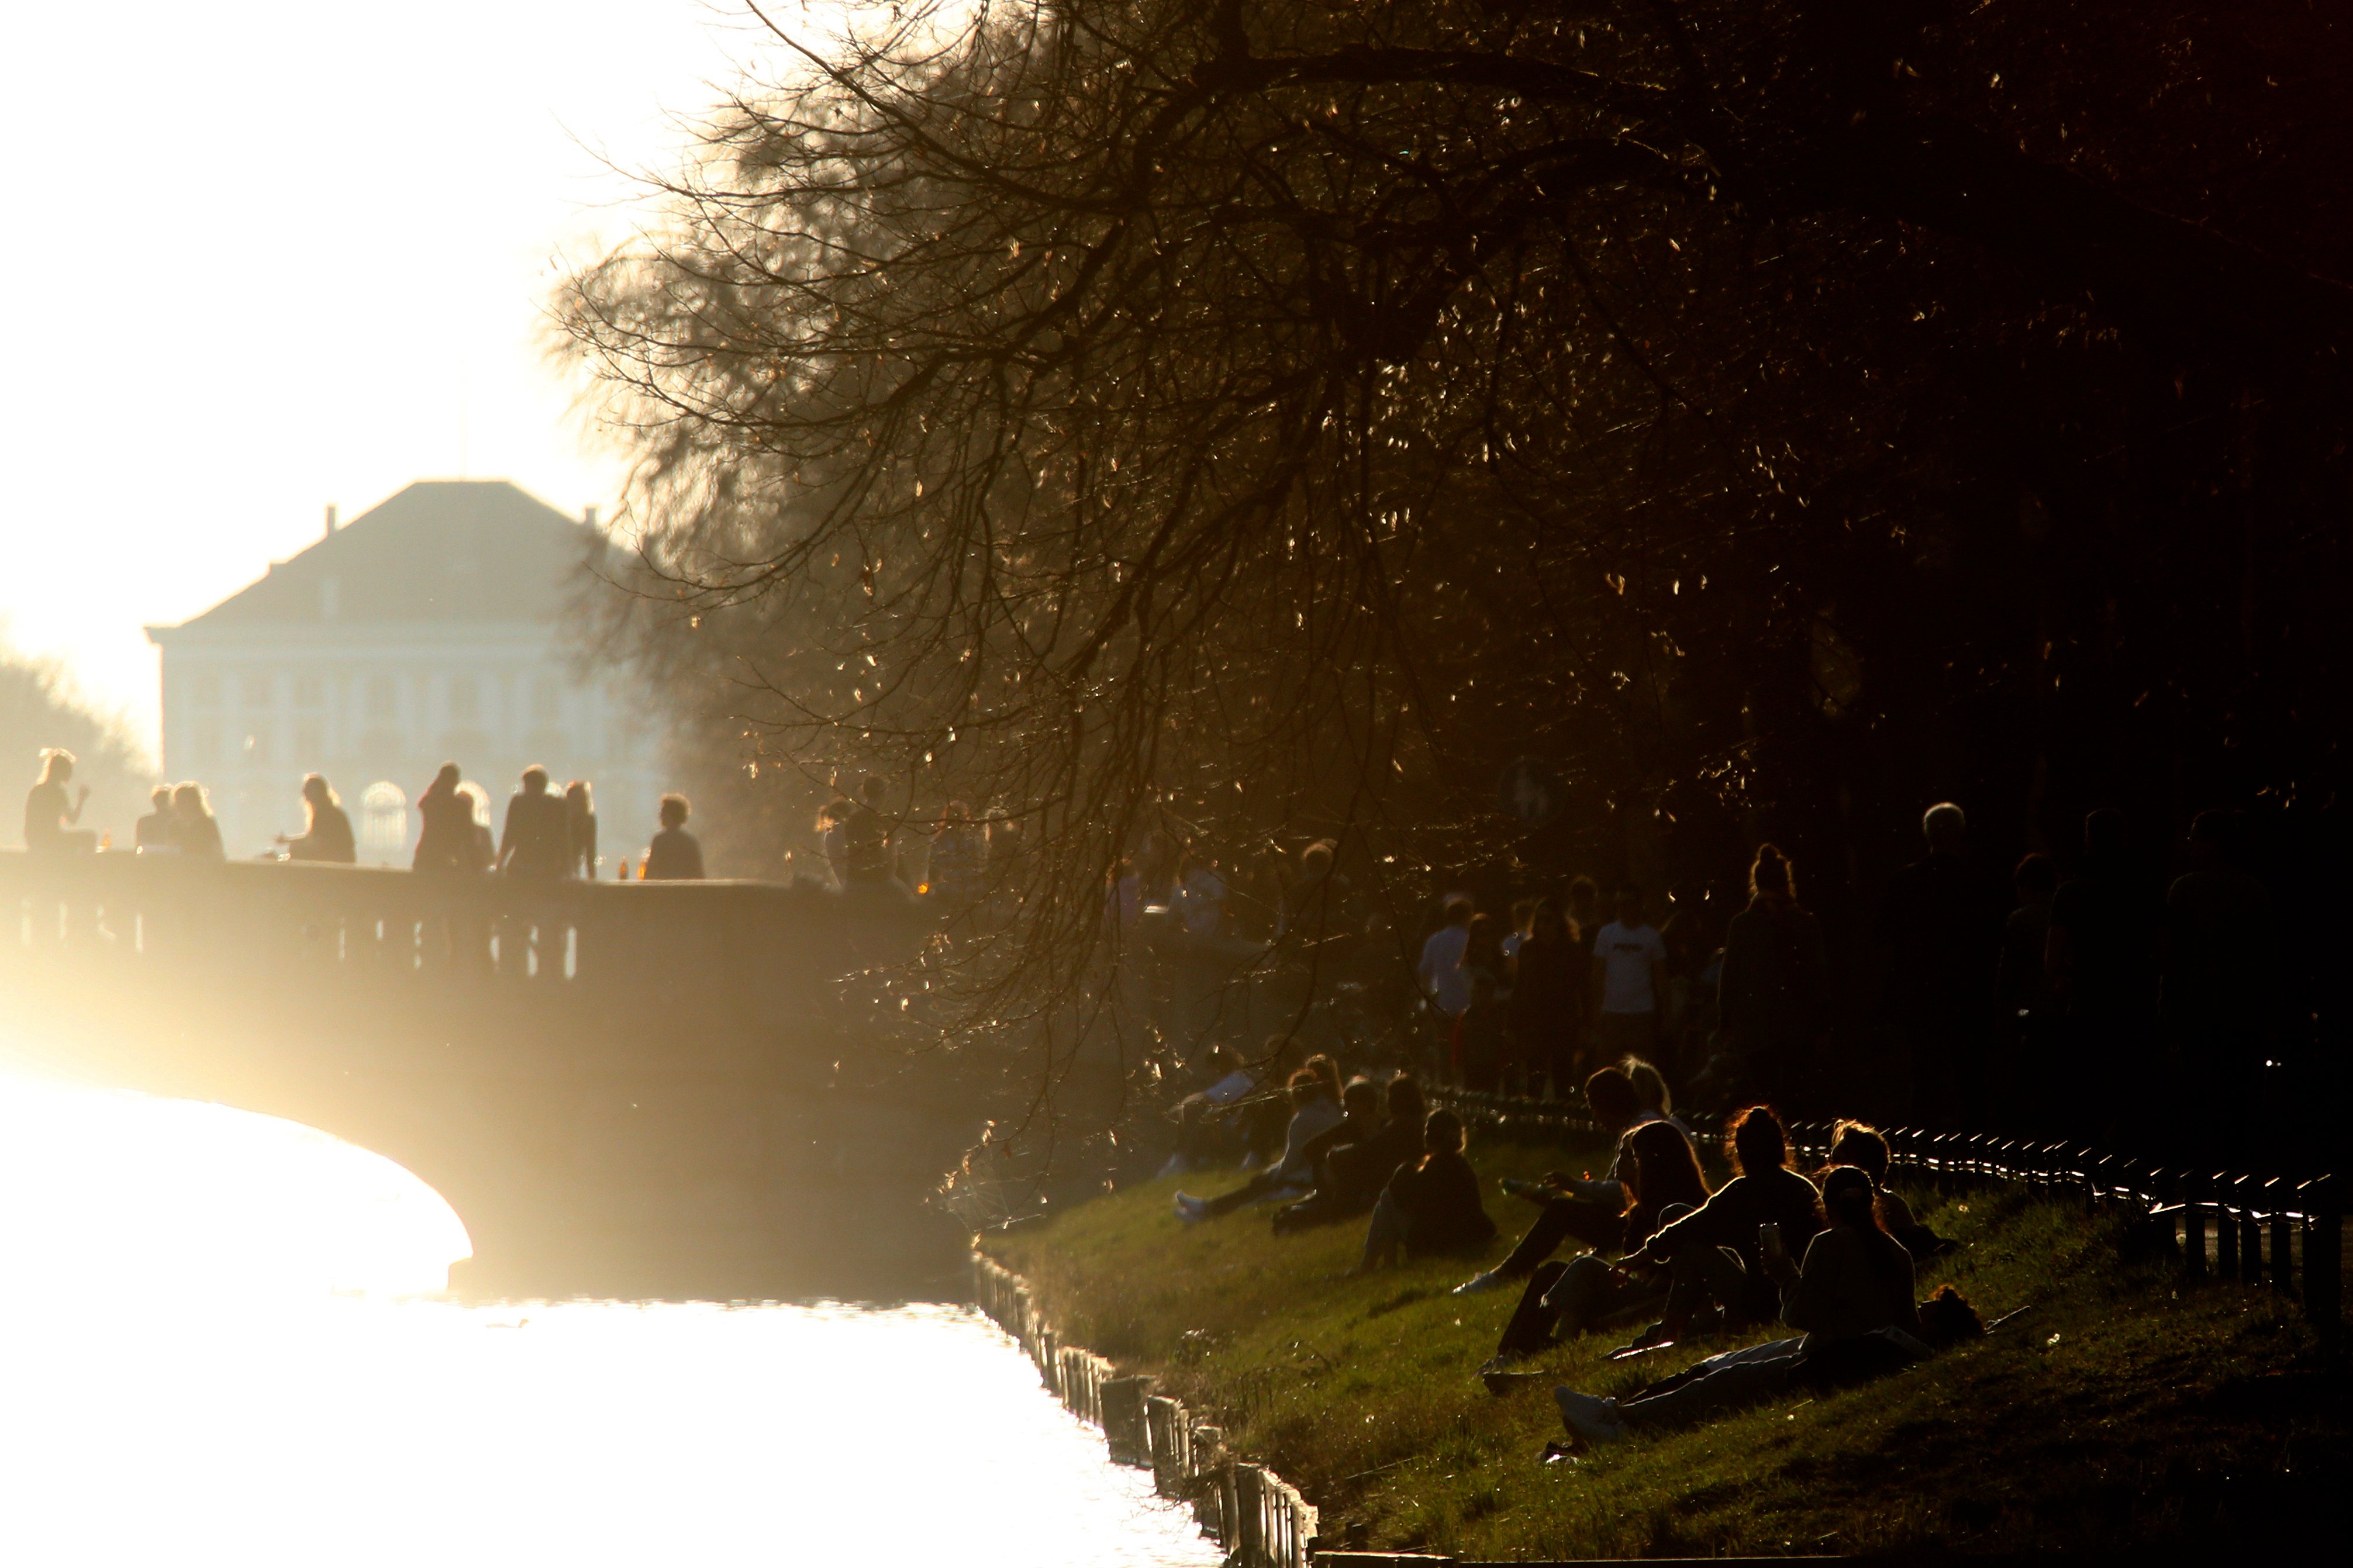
(1629, 978)
(1443, 979)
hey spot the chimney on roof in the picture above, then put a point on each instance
(331, 517)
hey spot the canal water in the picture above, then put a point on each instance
(218, 1345)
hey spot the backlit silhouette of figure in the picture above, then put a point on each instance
(674, 856)
(580, 823)
(537, 841)
(445, 840)
(327, 838)
(478, 801)
(193, 826)
(154, 831)
(49, 817)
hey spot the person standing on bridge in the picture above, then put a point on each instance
(580, 823)
(673, 856)
(193, 826)
(327, 835)
(538, 837)
(49, 817)
(446, 841)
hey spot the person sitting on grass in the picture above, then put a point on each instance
(1860, 1144)
(1710, 1255)
(1651, 1088)
(1204, 1134)
(1851, 1302)
(1592, 1212)
(1314, 1109)
(1664, 1183)
(1431, 1208)
(1352, 1176)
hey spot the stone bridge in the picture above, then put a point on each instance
(639, 1090)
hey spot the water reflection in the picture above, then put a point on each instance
(181, 1383)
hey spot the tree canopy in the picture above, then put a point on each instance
(1270, 420)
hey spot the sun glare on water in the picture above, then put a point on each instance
(219, 1347)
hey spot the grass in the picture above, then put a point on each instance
(2121, 1410)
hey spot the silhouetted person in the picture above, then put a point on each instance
(193, 828)
(154, 831)
(327, 832)
(537, 840)
(1774, 998)
(866, 837)
(2026, 1010)
(49, 815)
(1550, 980)
(2222, 980)
(1714, 1253)
(1443, 979)
(2102, 957)
(580, 829)
(478, 806)
(674, 856)
(1943, 924)
(1431, 1208)
(445, 838)
(959, 852)
(1629, 981)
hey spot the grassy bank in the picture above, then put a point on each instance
(2118, 1410)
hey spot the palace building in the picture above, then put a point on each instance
(429, 630)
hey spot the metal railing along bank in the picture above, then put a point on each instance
(2286, 1234)
(1258, 1518)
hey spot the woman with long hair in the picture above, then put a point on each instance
(1850, 1301)
(193, 825)
(326, 831)
(1714, 1253)
(445, 841)
(1431, 1208)
(1314, 1091)
(1773, 999)
(580, 821)
(49, 817)
(1665, 1182)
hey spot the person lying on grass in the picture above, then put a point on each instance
(1664, 1184)
(1711, 1256)
(1431, 1208)
(1351, 1176)
(1314, 1109)
(1852, 1301)
(1593, 1211)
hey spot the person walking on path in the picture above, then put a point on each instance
(1629, 981)
(1942, 923)
(1551, 987)
(1444, 981)
(2101, 955)
(1774, 997)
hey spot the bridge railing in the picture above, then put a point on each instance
(687, 948)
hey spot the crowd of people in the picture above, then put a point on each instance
(1829, 1254)
(546, 835)
(2107, 1003)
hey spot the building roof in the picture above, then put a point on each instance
(441, 549)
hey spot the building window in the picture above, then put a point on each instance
(384, 818)
(203, 743)
(465, 699)
(310, 743)
(203, 690)
(379, 699)
(545, 701)
(309, 691)
(258, 690)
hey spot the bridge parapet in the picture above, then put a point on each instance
(622, 1088)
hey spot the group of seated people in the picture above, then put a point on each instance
(1830, 1256)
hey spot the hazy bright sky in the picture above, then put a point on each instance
(265, 256)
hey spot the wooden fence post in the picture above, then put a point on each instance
(2226, 1230)
(2193, 1227)
(1127, 1430)
(2324, 1262)
(2251, 1230)
(2280, 1202)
